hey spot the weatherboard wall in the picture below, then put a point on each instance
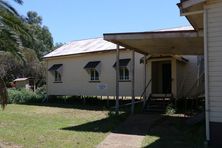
(76, 80)
(214, 37)
(187, 75)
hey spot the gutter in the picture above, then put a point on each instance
(189, 3)
(191, 13)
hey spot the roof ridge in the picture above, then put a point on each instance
(84, 39)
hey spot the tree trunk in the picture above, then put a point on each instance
(3, 94)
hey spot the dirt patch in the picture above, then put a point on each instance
(9, 145)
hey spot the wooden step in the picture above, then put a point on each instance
(158, 102)
(154, 110)
(161, 95)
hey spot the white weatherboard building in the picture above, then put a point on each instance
(168, 47)
(206, 17)
(88, 68)
(206, 39)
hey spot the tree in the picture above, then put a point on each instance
(17, 32)
(3, 94)
(57, 45)
(11, 28)
(33, 18)
(12, 68)
(43, 41)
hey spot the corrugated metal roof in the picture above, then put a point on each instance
(82, 46)
(94, 45)
(178, 28)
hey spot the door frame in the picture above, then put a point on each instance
(158, 89)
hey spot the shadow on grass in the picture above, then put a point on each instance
(174, 132)
(103, 125)
(71, 106)
(169, 131)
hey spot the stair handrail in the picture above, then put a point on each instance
(167, 92)
(145, 89)
(139, 101)
(194, 85)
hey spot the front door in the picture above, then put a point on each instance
(161, 77)
(166, 78)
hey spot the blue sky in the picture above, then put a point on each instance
(81, 19)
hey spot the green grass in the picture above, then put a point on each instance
(172, 131)
(39, 126)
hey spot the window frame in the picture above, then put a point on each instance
(94, 75)
(123, 75)
(57, 77)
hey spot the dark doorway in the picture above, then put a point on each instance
(166, 78)
(161, 77)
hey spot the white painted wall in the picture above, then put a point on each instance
(187, 75)
(184, 75)
(22, 84)
(75, 79)
(214, 37)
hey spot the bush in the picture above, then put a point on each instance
(41, 92)
(23, 96)
(170, 109)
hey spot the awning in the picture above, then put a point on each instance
(193, 10)
(55, 67)
(122, 63)
(91, 65)
(177, 57)
(183, 42)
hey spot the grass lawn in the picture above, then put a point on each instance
(39, 126)
(172, 131)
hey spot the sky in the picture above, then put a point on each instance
(82, 19)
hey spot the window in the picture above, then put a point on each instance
(93, 68)
(124, 73)
(56, 70)
(94, 75)
(123, 69)
(58, 77)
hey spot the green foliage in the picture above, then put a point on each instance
(11, 29)
(170, 109)
(17, 96)
(27, 39)
(19, 37)
(11, 67)
(41, 92)
(43, 41)
(33, 18)
(57, 45)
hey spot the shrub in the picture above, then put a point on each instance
(170, 109)
(41, 92)
(22, 96)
